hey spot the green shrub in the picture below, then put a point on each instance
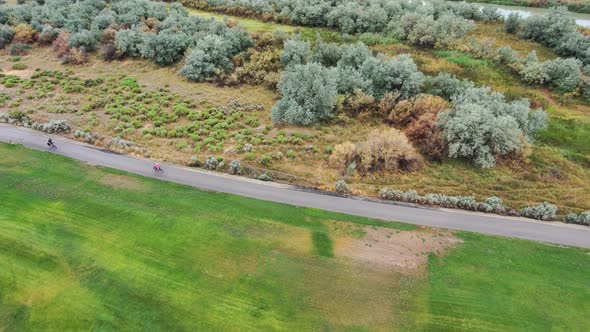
(19, 48)
(19, 66)
(265, 160)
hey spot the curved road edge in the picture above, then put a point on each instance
(551, 232)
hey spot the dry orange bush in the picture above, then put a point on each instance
(384, 150)
(357, 102)
(425, 133)
(76, 56)
(60, 44)
(108, 36)
(24, 33)
(408, 111)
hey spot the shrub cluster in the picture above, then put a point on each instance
(333, 69)
(542, 211)
(491, 204)
(349, 16)
(581, 219)
(87, 137)
(120, 143)
(160, 32)
(565, 75)
(428, 31)
(482, 126)
(52, 127)
(15, 117)
(556, 29)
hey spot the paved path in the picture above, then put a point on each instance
(559, 233)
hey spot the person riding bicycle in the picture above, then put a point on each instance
(157, 167)
(50, 142)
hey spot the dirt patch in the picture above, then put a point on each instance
(24, 74)
(122, 182)
(402, 251)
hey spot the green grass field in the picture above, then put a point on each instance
(89, 248)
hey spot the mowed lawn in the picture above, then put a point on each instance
(84, 248)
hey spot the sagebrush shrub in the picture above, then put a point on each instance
(211, 163)
(482, 126)
(426, 31)
(548, 29)
(235, 167)
(6, 35)
(512, 23)
(542, 211)
(506, 55)
(564, 74)
(209, 58)
(19, 48)
(128, 42)
(265, 177)
(85, 40)
(295, 52)
(399, 73)
(163, 48)
(52, 127)
(342, 187)
(48, 35)
(308, 95)
(446, 85)
(581, 219)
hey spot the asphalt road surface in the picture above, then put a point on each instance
(552, 232)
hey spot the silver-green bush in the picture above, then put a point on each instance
(541, 211)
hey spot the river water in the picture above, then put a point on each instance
(581, 19)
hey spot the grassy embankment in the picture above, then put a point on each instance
(557, 172)
(93, 248)
(561, 149)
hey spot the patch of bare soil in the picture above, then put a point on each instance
(400, 251)
(23, 74)
(122, 182)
